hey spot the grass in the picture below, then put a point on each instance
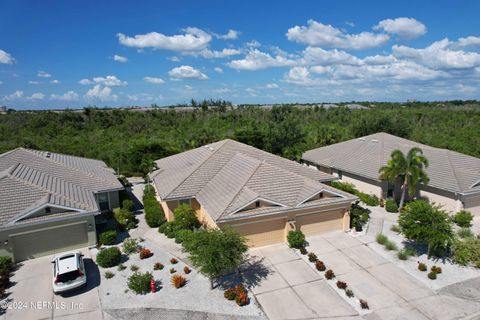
(382, 239)
(121, 267)
(389, 245)
(465, 233)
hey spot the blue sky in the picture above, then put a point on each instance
(56, 54)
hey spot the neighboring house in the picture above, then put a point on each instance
(48, 201)
(262, 195)
(454, 177)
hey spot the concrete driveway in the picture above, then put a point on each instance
(291, 288)
(31, 295)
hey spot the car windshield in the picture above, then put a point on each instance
(68, 276)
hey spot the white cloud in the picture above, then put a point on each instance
(6, 58)
(187, 72)
(153, 80)
(470, 41)
(174, 59)
(315, 55)
(439, 55)
(33, 82)
(218, 70)
(68, 96)
(406, 28)
(85, 82)
(55, 81)
(14, 96)
(140, 97)
(110, 81)
(299, 76)
(119, 58)
(193, 39)
(323, 35)
(271, 86)
(253, 44)
(350, 23)
(230, 35)
(101, 93)
(36, 96)
(209, 54)
(256, 60)
(43, 74)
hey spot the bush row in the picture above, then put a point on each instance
(154, 215)
(368, 199)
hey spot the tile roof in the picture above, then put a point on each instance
(228, 175)
(448, 170)
(30, 179)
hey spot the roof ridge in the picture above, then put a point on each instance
(49, 191)
(244, 185)
(453, 168)
(200, 164)
(93, 176)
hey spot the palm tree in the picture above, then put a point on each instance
(410, 169)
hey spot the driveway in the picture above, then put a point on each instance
(31, 295)
(292, 289)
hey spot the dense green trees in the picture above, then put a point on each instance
(125, 138)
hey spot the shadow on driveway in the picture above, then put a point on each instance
(249, 277)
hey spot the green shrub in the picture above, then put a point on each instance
(140, 282)
(123, 216)
(163, 227)
(463, 219)
(312, 257)
(422, 266)
(170, 229)
(134, 268)
(391, 205)
(368, 199)
(358, 216)
(296, 239)
(109, 275)
(382, 239)
(344, 186)
(154, 215)
(108, 237)
(432, 275)
(109, 257)
(121, 267)
(183, 235)
(466, 251)
(465, 233)
(402, 255)
(185, 217)
(6, 265)
(130, 245)
(391, 246)
(395, 228)
(410, 252)
(127, 205)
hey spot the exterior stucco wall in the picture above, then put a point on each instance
(362, 184)
(449, 204)
(202, 215)
(5, 234)
(114, 200)
(472, 204)
(168, 207)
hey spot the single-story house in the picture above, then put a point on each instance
(262, 195)
(48, 201)
(454, 177)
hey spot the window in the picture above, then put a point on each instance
(48, 210)
(257, 204)
(103, 201)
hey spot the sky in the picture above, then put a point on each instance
(69, 54)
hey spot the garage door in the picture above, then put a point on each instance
(321, 222)
(33, 244)
(473, 205)
(263, 233)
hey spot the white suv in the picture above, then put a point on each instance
(68, 272)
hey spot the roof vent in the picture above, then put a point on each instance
(48, 155)
(361, 139)
(210, 148)
(375, 140)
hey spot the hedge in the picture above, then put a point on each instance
(154, 215)
(108, 237)
(109, 257)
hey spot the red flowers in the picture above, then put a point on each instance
(239, 294)
(145, 253)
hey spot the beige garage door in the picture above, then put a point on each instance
(33, 244)
(321, 222)
(473, 205)
(263, 233)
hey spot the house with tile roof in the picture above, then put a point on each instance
(262, 195)
(48, 201)
(454, 177)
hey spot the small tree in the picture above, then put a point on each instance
(216, 251)
(427, 223)
(185, 217)
(409, 169)
(463, 219)
(296, 239)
